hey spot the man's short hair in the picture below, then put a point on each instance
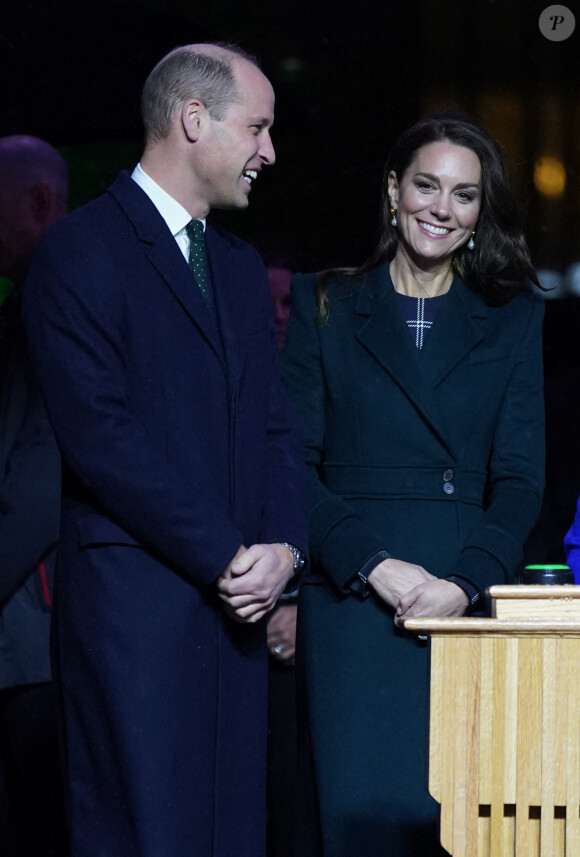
(187, 73)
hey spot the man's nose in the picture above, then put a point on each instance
(267, 153)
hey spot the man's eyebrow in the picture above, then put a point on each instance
(262, 122)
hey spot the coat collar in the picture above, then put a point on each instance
(384, 334)
(165, 256)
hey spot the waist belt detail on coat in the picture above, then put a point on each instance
(438, 482)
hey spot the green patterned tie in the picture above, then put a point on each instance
(197, 261)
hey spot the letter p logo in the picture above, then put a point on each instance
(557, 23)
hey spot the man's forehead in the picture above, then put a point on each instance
(253, 85)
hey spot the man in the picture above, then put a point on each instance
(182, 476)
(33, 194)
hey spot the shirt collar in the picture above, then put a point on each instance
(173, 213)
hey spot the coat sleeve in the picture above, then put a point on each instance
(284, 516)
(572, 544)
(493, 550)
(74, 309)
(340, 543)
(29, 497)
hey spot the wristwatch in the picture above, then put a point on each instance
(299, 558)
(468, 588)
(360, 583)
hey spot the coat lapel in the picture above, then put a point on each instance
(230, 302)
(456, 332)
(165, 256)
(384, 334)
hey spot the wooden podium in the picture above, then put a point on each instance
(504, 748)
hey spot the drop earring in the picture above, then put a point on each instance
(393, 215)
(471, 242)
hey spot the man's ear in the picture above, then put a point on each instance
(193, 117)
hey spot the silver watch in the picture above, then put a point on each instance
(299, 559)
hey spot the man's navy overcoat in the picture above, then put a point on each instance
(178, 447)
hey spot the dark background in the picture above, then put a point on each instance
(348, 78)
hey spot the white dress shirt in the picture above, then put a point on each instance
(172, 212)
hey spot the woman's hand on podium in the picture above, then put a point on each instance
(393, 578)
(436, 597)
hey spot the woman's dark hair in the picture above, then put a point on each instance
(499, 267)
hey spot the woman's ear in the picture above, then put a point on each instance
(393, 188)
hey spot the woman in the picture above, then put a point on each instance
(419, 381)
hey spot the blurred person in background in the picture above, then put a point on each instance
(33, 196)
(282, 746)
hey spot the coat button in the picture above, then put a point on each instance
(448, 475)
(448, 488)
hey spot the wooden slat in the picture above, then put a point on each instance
(472, 799)
(483, 837)
(448, 743)
(511, 719)
(510, 740)
(560, 837)
(571, 657)
(529, 758)
(496, 759)
(438, 679)
(561, 722)
(509, 838)
(487, 687)
(460, 747)
(547, 736)
(466, 756)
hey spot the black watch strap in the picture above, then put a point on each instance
(470, 590)
(360, 583)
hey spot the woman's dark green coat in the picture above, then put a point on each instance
(435, 456)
